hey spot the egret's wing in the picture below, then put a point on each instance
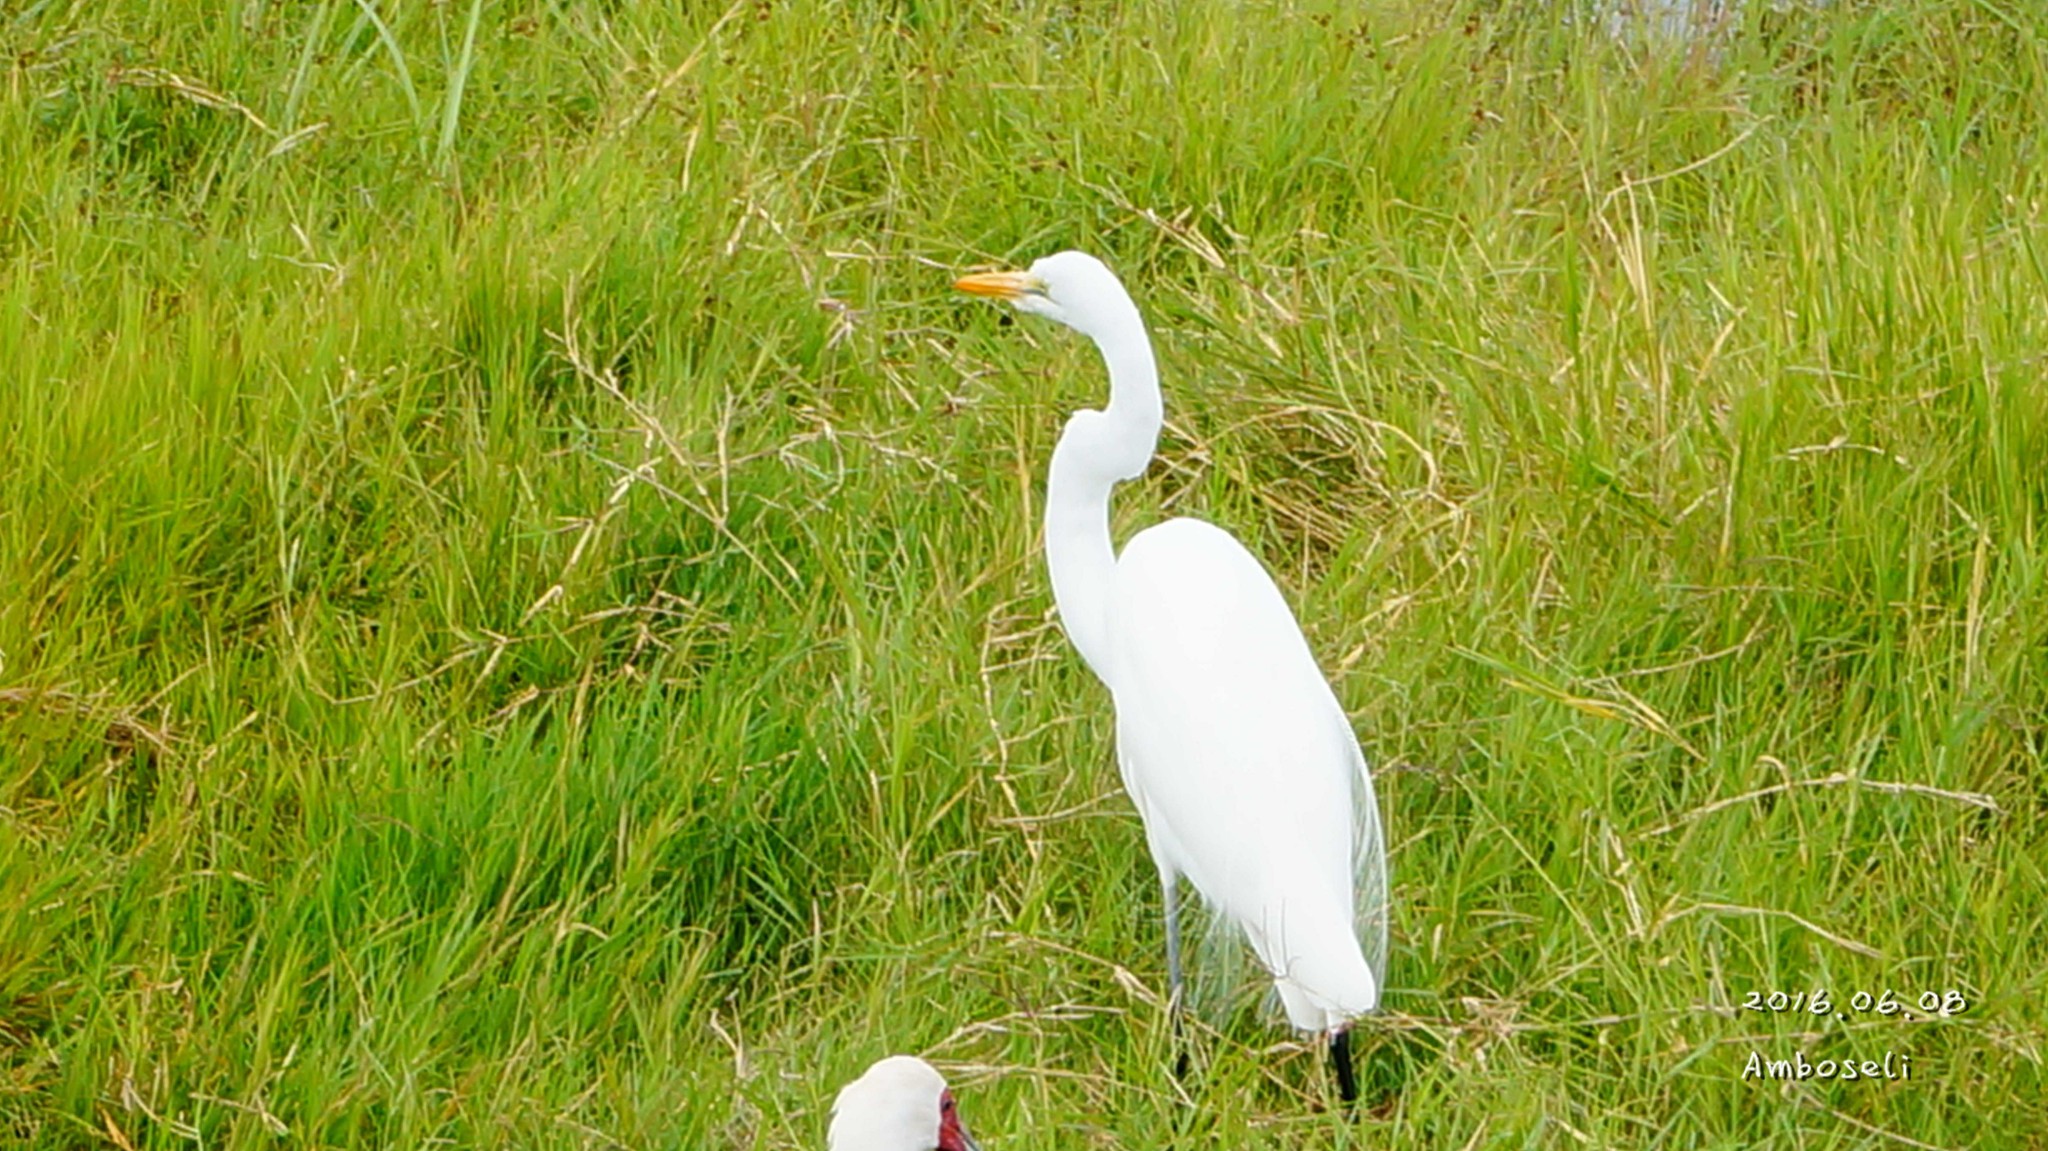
(1233, 746)
(1224, 722)
(1223, 980)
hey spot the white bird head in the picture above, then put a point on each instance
(1073, 288)
(900, 1104)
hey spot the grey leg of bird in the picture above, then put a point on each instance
(1170, 887)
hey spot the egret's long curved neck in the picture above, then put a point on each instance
(1095, 452)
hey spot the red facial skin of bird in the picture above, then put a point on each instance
(951, 1136)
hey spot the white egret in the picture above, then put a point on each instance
(1241, 762)
(900, 1104)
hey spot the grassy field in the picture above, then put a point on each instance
(522, 621)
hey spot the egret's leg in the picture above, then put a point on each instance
(1169, 887)
(1340, 1058)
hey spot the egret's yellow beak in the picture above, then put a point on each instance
(999, 285)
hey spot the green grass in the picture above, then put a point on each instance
(523, 622)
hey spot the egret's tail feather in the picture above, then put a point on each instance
(1369, 872)
(1224, 979)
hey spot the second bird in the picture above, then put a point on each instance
(1241, 762)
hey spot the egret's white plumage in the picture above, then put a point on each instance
(899, 1104)
(1232, 745)
(1241, 761)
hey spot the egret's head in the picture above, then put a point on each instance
(900, 1104)
(1074, 288)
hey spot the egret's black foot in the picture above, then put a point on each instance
(1180, 1043)
(1340, 1058)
